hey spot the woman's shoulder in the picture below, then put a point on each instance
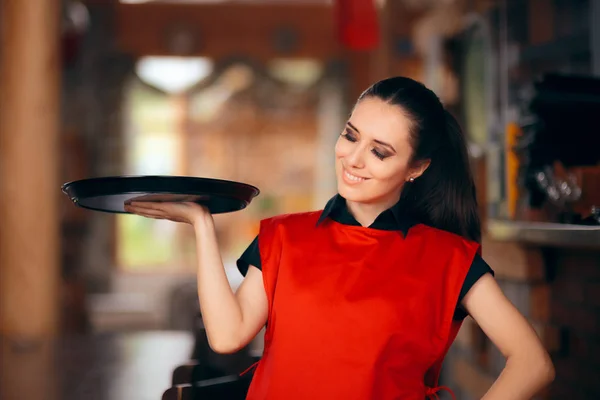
(299, 223)
(442, 236)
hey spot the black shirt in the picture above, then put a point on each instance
(391, 219)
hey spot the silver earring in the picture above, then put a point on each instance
(411, 179)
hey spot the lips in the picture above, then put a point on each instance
(352, 179)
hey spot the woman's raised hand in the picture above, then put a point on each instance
(185, 212)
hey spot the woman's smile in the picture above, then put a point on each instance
(352, 179)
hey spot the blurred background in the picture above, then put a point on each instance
(99, 306)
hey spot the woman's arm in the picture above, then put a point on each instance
(231, 319)
(528, 366)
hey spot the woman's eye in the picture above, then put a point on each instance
(378, 154)
(349, 136)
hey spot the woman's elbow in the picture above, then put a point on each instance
(225, 346)
(536, 365)
(543, 369)
(547, 370)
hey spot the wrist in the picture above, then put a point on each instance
(203, 221)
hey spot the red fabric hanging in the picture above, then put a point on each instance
(357, 24)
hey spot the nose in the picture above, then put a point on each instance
(355, 158)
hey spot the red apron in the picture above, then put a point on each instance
(354, 312)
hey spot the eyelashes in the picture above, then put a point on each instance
(351, 137)
(378, 154)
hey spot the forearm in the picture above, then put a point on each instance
(221, 311)
(522, 378)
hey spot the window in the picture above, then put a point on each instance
(156, 111)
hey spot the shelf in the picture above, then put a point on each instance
(545, 233)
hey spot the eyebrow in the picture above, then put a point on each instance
(375, 140)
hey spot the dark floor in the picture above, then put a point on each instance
(125, 366)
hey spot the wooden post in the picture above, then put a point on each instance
(29, 186)
(29, 191)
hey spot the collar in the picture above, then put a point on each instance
(393, 218)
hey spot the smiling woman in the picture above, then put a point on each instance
(362, 300)
(394, 137)
(373, 162)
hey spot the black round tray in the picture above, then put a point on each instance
(109, 194)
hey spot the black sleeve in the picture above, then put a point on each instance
(251, 256)
(478, 268)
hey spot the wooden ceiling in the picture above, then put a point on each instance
(225, 29)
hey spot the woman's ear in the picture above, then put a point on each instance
(418, 169)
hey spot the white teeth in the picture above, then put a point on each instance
(353, 177)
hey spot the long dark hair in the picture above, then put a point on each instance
(444, 196)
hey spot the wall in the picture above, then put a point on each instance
(575, 309)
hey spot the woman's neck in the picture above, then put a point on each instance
(366, 213)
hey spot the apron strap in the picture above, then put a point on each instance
(250, 368)
(432, 393)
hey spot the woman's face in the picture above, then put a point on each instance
(373, 154)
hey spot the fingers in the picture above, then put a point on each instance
(154, 210)
(148, 209)
(165, 207)
(146, 212)
(147, 205)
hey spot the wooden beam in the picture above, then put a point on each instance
(257, 31)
